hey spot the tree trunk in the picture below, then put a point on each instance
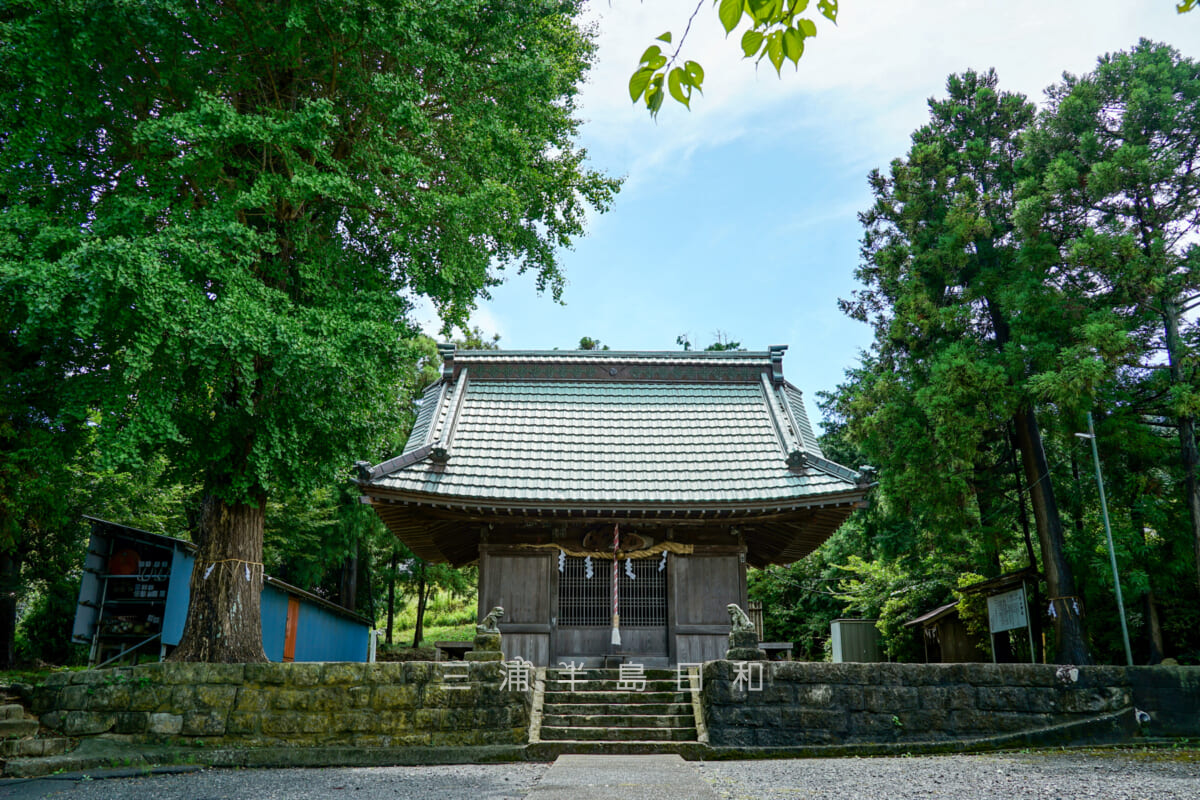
(1077, 500)
(10, 570)
(224, 620)
(1154, 635)
(348, 585)
(1060, 584)
(419, 628)
(1189, 454)
(391, 609)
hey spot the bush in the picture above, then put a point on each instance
(44, 630)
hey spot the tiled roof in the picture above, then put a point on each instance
(613, 430)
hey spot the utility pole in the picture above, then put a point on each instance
(1091, 434)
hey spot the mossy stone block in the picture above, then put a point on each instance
(342, 674)
(266, 674)
(384, 672)
(395, 697)
(304, 674)
(133, 722)
(165, 724)
(218, 698)
(204, 723)
(87, 723)
(487, 641)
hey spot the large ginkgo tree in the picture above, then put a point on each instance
(230, 209)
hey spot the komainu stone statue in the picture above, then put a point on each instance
(488, 624)
(487, 638)
(738, 618)
(743, 638)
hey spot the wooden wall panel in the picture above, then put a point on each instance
(694, 648)
(521, 584)
(533, 647)
(704, 586)
(587, 642)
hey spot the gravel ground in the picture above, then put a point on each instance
(1135, 774)
(1157, 774)
(463, 782)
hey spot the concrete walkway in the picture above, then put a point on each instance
(621, 778)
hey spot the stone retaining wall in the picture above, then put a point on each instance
(310, 704)
(804, 704)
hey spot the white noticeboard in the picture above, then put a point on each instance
(1007, 611)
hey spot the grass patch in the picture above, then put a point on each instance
(448, 618)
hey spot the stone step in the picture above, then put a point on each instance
(18, 728)
(644, 709)
(609, 674)
(12, 711)
(618, 721)
(548, 751)
(617, 698)
(620, 734)
(564, 685)
(34, 748)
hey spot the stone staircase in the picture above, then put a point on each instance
(594, 711)
(19, 732)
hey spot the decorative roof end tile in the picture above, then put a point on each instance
(446, 351)
(777, 351)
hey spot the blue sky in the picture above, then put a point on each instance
(740, 216)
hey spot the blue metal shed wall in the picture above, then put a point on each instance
(179, 590)
(324, 636)
(274, 622)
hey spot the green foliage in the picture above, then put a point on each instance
(220, 225)
(776, 32)
(588, 343)
(44, 632)
(1014, 263)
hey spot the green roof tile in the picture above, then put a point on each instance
(692, 429)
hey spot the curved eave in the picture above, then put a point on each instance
(535, 507)
(775, 532)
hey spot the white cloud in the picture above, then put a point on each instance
(866, 78)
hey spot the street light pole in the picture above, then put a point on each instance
(1091, 434)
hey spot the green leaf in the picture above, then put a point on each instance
(696, 72)
(654, 95)
(638, 82)
(793, 45)
(751, 41)
(675, 85)
(808, 27)
(775, 49)
(829, 8)
(652, 52)
(730, 13)
(765, 12)
(666, 37)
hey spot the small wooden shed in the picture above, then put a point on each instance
(135, 592)
(945, 638)
(560, 473)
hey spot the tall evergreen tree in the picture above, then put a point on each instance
(1117, 187)
(961, 321)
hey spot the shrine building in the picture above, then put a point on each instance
(534, 464)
